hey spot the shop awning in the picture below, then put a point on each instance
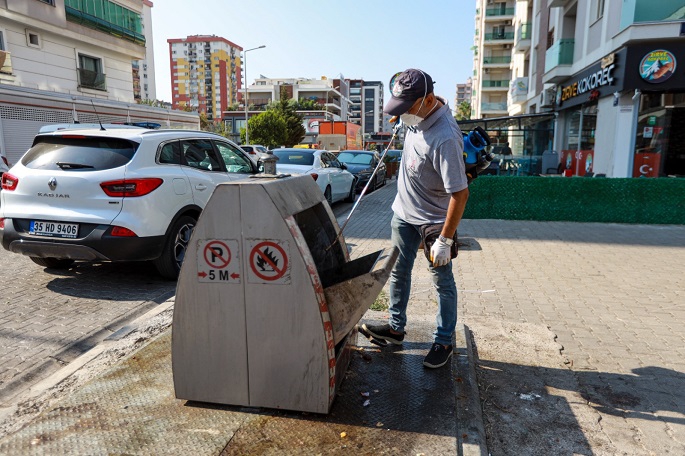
(506, 123)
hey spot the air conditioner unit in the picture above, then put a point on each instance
(547, 98)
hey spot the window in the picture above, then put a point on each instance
(199, 154)
(235, 161)
(90, 72)
(170, 154)
(49, 2)
(599, 9)
(2, 41)
(32, 39)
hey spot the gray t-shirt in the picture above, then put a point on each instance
(432, 168)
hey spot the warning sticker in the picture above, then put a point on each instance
(269, 262)
(218, 261)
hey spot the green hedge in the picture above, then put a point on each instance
(578, 199)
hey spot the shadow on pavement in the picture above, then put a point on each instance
(536, 410)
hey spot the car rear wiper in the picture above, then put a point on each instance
(65, 165)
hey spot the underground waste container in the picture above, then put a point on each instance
(267, 300)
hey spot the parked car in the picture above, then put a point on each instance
(255, 150)
(333, 179)
(114, 195)
(361, 163)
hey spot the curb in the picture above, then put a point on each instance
(470, 429)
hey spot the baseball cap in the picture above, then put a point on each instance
(407, 87)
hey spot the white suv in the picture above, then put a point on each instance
(114, 195)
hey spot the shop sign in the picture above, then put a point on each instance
(657, 66)
(651, 120)
(600, 75)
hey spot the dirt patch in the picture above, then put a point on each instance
(530, 398)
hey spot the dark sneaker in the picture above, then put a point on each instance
(383, 332)
(437, 356)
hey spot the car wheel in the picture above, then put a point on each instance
(328, 194)
(353, 192)
(169, 263)
(53, 263)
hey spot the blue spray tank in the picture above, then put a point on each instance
(476, 157)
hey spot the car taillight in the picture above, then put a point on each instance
(9, 182)
(120, 231)
(130, 187)
(315, 176)
(2, 223)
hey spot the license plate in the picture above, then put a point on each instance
(53, 229)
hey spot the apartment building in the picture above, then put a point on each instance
(63, 61)
(464, 93)
(493, 44)
(606, 71)
(205, 73)
(144, 85)
(331, 95)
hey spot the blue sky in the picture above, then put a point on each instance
(368, 39)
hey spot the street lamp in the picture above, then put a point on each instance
(247, 140)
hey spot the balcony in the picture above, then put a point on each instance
(129, 26)
(523, 36)
(497, 61)
(88, 79)
(495, 84)
(518, 91)
(558, 61)
(499, 37)
(493, 108)
(499, 13)
(5, 62)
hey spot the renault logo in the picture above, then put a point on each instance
(52, 183)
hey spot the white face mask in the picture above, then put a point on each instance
(413, 120)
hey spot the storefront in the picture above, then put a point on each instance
(580, 118)
(624, 116)
(657, 71)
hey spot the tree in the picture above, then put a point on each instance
(205, 123)
(287, 108)
(463, 111)
(308, 105)
(268, 129)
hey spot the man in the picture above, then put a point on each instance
(432, 188)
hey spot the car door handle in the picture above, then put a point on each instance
(201, 187)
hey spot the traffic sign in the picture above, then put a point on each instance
(269, 262)
(218, 260)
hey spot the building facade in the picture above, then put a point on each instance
(144, 85)
(493, 44)
(606, 69)
(205, 73)
(331, 96)
(619, 95)
(464, 93)
(63, 61)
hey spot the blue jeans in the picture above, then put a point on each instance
(407, 238)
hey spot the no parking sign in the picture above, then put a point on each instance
(218, 260)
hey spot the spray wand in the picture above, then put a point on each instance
(395, 130)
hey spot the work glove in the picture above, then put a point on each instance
(440, 253)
